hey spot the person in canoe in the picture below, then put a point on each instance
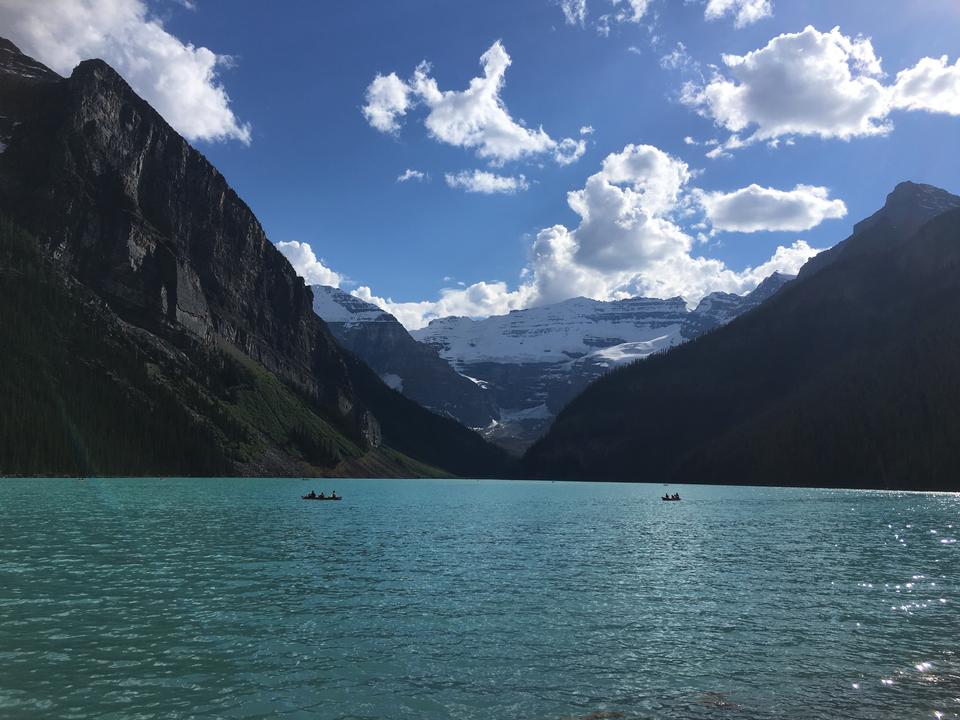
(333, 495)
(310, 495)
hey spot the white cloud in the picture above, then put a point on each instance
(755, 208)
(785, 260)
(678, 59)
(932, 85)
(622, 11)
(631, 10)
(305, 262)
(388, 97)
(625, 227)
(478, 300)
(807, 83)
(178, 79)
(811, 83)
(475, 118)
(481, 181)
(411, 174)
(628, 242)
(569, 151)
(587, 130)
(574, 11)
(744, 12)
(734, 142)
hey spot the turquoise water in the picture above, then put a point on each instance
(464, 599)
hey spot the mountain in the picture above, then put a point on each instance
(907, 208)
(410, 367)
(846, 377)
(532, 362)
(156, 329)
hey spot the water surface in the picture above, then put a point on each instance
(465, 599)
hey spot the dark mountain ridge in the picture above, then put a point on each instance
(846, 377)
(907, 208)
(118, 204)
(410, 367)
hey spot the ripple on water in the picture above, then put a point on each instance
(475, 600)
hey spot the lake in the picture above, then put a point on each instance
(181, 598)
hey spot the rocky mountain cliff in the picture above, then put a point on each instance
(410, 367)
(846, 377)
(130, 216)
(532, 362)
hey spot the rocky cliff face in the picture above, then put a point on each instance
(125, 207)
(142, 218)
(410, 367)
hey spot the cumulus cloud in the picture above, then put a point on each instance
(806, 83)
(307, 265)
(628, 242)
(932, 85)
(744, 12)
(487, 183)
(179, 79)
(411, 174)
(786, 260)
(478, 300)
(587, 130)
(755, 208)
(827, 85)
(388, 98)
(475, 118)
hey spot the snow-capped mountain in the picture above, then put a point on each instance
(508, 375)
(410, 367)
(534, 361)
(336, 306)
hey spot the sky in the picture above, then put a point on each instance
(470, 158)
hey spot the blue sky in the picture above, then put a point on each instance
(316, 171)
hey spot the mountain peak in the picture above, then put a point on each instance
(909, 206)
(17, 68)
(23, 86)
(910, 189)
(98, 76)
(775, 280)
(8, 46)
(336, 306)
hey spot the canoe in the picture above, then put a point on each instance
(306, 497)
(671, 499)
